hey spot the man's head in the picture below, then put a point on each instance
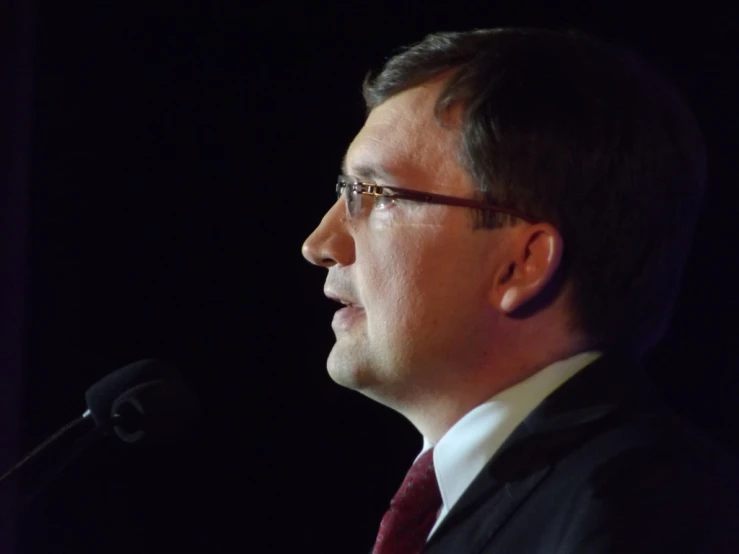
(600, 152)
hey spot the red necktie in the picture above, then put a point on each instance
(412, 511)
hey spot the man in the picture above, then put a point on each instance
(508, 241)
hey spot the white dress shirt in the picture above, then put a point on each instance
(471, 442)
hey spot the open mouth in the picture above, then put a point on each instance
(347, 316)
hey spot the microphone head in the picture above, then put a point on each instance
(155, 411)
(143, 401)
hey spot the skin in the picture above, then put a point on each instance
(437, 335)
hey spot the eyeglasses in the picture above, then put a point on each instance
(352, 189)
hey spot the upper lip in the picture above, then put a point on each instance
(344, 299)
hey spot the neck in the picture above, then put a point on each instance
(441, 408)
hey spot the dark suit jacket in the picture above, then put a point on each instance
(599, 467)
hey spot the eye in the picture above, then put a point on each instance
(384, 202)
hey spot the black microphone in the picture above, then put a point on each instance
(142, 403)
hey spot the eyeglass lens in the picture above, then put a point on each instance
(352, 197)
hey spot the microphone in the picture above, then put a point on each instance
(145, 401)
(142, 403)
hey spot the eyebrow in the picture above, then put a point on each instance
(367, 171)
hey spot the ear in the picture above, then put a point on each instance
(531, 261)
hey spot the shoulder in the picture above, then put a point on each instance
(648, 483)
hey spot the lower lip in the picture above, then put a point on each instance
(345, 318)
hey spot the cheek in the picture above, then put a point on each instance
(404, 274)
(392, 276)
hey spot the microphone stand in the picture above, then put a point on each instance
(48, 442)
(26, 497)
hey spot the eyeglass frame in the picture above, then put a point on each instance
(371, 189)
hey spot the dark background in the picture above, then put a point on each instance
(179, 157)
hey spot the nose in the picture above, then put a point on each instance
(330, 243)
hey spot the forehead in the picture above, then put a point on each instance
(402, 138)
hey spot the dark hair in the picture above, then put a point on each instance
(586, 136)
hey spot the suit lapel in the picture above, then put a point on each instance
(569, 416)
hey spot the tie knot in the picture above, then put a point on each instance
(419, 488)
(412, 511)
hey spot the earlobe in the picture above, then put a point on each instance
(508, 300)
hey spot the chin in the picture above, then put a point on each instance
(365, 380)
(350, 373)
(346, 375)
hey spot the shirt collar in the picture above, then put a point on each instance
(471, 442)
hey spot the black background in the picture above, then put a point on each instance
(180, 157)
